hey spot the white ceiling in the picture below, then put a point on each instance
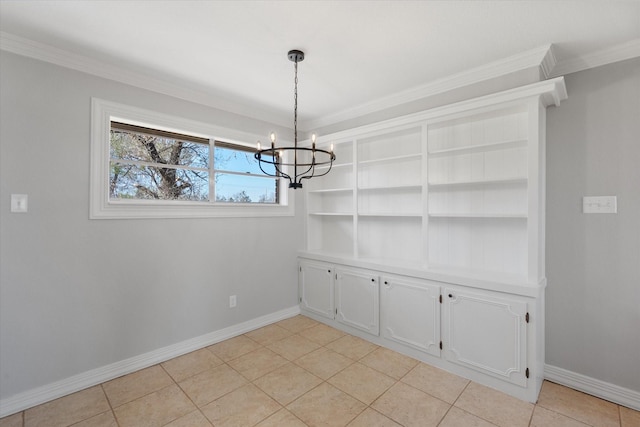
(232, 54)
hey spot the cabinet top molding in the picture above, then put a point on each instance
(497, 283)
(548, 92)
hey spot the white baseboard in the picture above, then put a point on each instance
(46, 393)
(611, 392)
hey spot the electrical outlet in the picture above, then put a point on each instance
(232, 301)
(19, 203)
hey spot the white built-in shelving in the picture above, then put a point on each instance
(479, 192)
(455, 188)
(389, 195)
(441, 215)
(330, 207)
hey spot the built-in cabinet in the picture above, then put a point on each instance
(411, 313)
(465, 330)
(487, 332)
(349, 295)
(427, 236)
(357, 293)
(316, 288)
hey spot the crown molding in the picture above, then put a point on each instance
(43, 52)
(621, 52)
(542, 58)
(547, 92)
(549, 62)
(522, 61)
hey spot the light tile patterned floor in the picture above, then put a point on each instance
(299, 372)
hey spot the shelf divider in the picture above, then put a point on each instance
(479, 215)
(511, 180)
(481, 147)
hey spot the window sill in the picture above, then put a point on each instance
(153, 209)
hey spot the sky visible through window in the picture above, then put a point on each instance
(258, 189)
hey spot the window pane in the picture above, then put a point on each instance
(228, 159)
(155, 149)
(155, 183)
(245, 189)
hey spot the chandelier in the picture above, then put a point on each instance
(295, 163)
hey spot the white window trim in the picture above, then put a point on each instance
(101, 207)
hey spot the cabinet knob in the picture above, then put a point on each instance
(450, 295)
(373, 280)
(329, 271)
(386, 283)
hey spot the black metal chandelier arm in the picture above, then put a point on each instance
(258, 157)
(305, 172)
(279, 173)
(313, 175)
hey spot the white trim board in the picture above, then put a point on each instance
(607, 391)
(621, 52)
(46, 393)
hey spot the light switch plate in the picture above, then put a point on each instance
(19, 203)
(600, 204)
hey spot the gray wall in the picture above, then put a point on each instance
(78, 294)
(593, 260)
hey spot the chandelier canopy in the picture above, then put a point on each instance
(295, 163)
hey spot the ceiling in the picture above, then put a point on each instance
(359, 54)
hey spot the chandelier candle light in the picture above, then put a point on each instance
(305, 159)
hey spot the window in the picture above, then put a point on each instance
(238, 178)
(148, 165)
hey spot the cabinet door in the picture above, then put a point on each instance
(358, 299)
(486, 332)
(411, 313)
(316, 288)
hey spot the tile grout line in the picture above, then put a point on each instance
(532, 412)
(185, 393)
(225, 363)
(295, 364)
(454, 403)
(109, 403)
(575, 419)
(323, 381)
(619, 414)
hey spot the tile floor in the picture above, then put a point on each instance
(299, 372)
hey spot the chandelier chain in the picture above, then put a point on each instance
(295, 106)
